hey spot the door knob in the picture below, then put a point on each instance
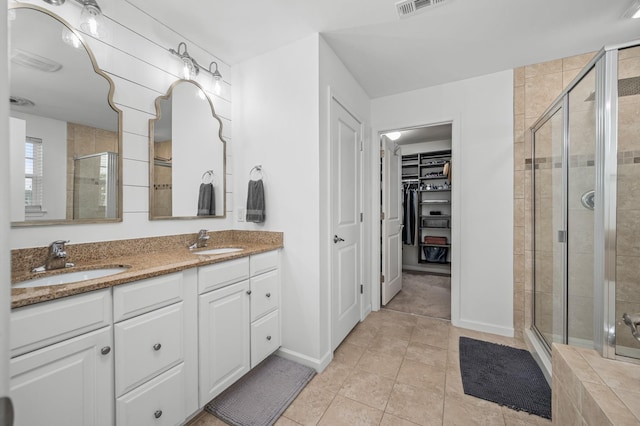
(337, 239)
(105, 350)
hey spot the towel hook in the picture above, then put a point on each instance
(258, 169)
(208, 176)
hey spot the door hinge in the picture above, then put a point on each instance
(382, 278)
(361, 145)
(361, 289)
(381, 215)
(361, 217)
(382, 153)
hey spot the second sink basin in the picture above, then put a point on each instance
(70, 277)
(221, 250)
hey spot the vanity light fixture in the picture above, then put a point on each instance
(91, 17)
(217, 88)
(190, 66)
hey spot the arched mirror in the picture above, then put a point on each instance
(188, 156)
(65, 132)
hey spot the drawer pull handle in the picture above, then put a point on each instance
(268, 294)
(157, 347)
(105, 350)
(249, 292)
(268, 337)
(157, 414)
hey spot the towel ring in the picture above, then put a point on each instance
(257, 169)
(208, 176)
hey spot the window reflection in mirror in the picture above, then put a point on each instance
(64, 130)
(188, 167)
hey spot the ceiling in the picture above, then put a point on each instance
(451, 41)
(435, 133)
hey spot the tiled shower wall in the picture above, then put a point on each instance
(535, 88)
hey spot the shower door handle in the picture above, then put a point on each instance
(633, 321)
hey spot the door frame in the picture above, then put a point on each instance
(365, 305)
(456, 209)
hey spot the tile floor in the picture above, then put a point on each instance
(423, 294)
(396, 369)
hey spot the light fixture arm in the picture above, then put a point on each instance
(215, 73)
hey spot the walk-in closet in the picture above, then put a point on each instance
(425, 167)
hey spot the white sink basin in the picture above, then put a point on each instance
(70, 277)
(221, 250)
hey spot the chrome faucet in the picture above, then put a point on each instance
(201, 240)
(56, 258)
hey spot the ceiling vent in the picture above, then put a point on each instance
(31, 60)
(408, 8)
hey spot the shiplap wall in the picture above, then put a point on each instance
(135, 56)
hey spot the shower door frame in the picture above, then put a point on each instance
(605, 63)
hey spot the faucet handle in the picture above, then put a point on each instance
(202, 233)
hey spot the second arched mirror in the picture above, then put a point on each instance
(187, 156)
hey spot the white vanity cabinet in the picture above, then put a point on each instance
(238, 319)
(62, 365)
(155, 334)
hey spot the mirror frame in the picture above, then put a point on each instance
(112, 87)
(152, 122)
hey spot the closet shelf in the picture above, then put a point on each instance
(432, 177)
(436, 190)
(436, 227)
(412, 164)
(434, 245)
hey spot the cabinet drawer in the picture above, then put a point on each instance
(158, 402)
(265, 337)
(211, 277)
(147, 345)
(36, 326)
(265, 294)
(264, 262)
(139, 297)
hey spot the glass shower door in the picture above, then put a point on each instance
(549, 228)
(581, 180)
(627, 256)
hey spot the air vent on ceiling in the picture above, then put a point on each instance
(31, 60)
(408, 8)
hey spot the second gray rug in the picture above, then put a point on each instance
(263, 394)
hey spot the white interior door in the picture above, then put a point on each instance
(346, 145)
(391, 223)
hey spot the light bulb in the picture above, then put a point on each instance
(92, 20)
(393, 135)
(70, 38)
(189, 70)
(217, 87)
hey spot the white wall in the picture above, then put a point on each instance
(17, 136)
(276, 125)
(53, 134)
(482, 143)
(136, 58)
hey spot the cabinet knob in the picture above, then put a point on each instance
(105, 350)
(268, 337)
(268, 295)
(249, 292)
(157, 347)
(157, 414)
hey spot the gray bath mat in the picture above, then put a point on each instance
(261, 395)
(504, 375)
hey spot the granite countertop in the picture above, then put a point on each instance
(140, 266)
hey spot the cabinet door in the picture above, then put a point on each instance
(224, 338)
(69, 383)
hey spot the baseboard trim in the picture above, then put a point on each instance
(485, 328)
(317, 364)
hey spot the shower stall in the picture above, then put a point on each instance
(586, 210)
